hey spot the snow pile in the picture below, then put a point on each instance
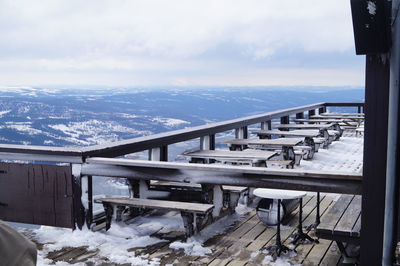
(112, 244)
(191, 247)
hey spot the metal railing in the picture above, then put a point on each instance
(160, 141)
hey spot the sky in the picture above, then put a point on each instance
(178, 43)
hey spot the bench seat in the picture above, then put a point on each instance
(193, 214)
(342, 222)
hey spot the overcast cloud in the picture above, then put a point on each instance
(177, 42)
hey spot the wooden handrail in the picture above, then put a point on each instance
(123, 147)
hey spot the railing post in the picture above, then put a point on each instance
(266, 125)
(89, 212)
(241, 133)
(285, 120)
(77, 190)
(207, 142)
(159, 154)
(359, 109)
(300, 115)
(322, 110)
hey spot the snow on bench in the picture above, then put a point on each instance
(193, 214)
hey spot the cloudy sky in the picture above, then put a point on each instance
(178, 42)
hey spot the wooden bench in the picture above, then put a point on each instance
(253, 157)
(347, 117)
(307, 134)
(231, 194)
(334, 126)
(342, 222)
(194, 215)
(273, 144)
(342, 122)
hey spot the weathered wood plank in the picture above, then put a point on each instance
(305, 126)
(158, 204)
(331, 219)
(356, 231)
(349, 217)
(231, 155)
(332, 255)
(293, 133)
(228, 169)
(275, 142)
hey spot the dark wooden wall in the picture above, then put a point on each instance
(36, 194)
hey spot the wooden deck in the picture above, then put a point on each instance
(239, 245)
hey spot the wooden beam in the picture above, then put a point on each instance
(375, 148)
(32, 157)
(225, 175)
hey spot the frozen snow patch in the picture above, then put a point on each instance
(112, 244)
(191, 247)
(371, 6)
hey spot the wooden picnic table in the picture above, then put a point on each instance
(343, 121)
(355, 118)
(307, 134)
(253, 157)
(342, 114)
(334, 126)
(279, 143)
(224, 155)
(293, 133)
(306, 126)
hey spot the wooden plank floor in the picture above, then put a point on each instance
(240, 245)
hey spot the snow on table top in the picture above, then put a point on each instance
(278, 193)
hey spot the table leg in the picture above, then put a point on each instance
(278, 248)
(300, 236)
(317, 218)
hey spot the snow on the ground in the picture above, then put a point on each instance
(94, 131)
(345, 155)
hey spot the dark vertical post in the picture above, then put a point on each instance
(300, 115)
(212, 142)
(164, 153)
(89, 212)
(359, 109)
(322, 110)
(79, 210)
(285, 120)
(375, 148)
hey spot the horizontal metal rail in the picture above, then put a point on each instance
(123, 147)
